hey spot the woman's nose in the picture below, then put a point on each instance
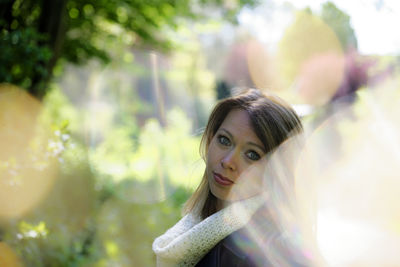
(229, 161)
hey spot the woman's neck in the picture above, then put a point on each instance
(222, 204)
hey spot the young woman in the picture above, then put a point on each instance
(242, 213)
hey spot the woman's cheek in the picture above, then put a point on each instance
(257, 173)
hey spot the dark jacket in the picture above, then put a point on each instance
(255, 246)
(226, 253)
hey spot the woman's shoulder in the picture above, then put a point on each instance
(269, 248)
(237, 249)
(252, 246)
(226, 253)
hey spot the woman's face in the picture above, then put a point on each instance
(236, 159)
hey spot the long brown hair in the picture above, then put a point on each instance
(272, 120)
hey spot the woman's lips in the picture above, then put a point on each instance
(221, 179)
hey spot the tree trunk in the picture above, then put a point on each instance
(52, 24)
(6, 12)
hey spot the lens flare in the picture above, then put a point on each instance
(28, 155)
(279, 233)
(310, 59)
(352, 162)
(342, 208)
(319, 77)
(261, 67)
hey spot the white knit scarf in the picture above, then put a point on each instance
(191, 238)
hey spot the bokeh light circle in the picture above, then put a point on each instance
(310, 59)
(28, 154)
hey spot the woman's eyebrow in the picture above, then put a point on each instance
(250, 143)
(254, 144)
(227, 132)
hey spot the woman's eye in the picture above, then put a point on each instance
(253, 155)
(223, 140)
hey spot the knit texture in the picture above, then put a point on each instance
(191, 238)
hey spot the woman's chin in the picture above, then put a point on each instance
(227, 197)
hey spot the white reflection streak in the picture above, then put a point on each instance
(333, 230)
(357, 226)
(95, 107)
(384, 131)
(161, 118)
(157, 88)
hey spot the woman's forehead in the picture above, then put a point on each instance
(238, 124)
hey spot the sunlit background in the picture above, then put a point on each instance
(103, 103)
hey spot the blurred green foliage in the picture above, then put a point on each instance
(340, 23)
(104, 209)
(23, 58)
(39, 35)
